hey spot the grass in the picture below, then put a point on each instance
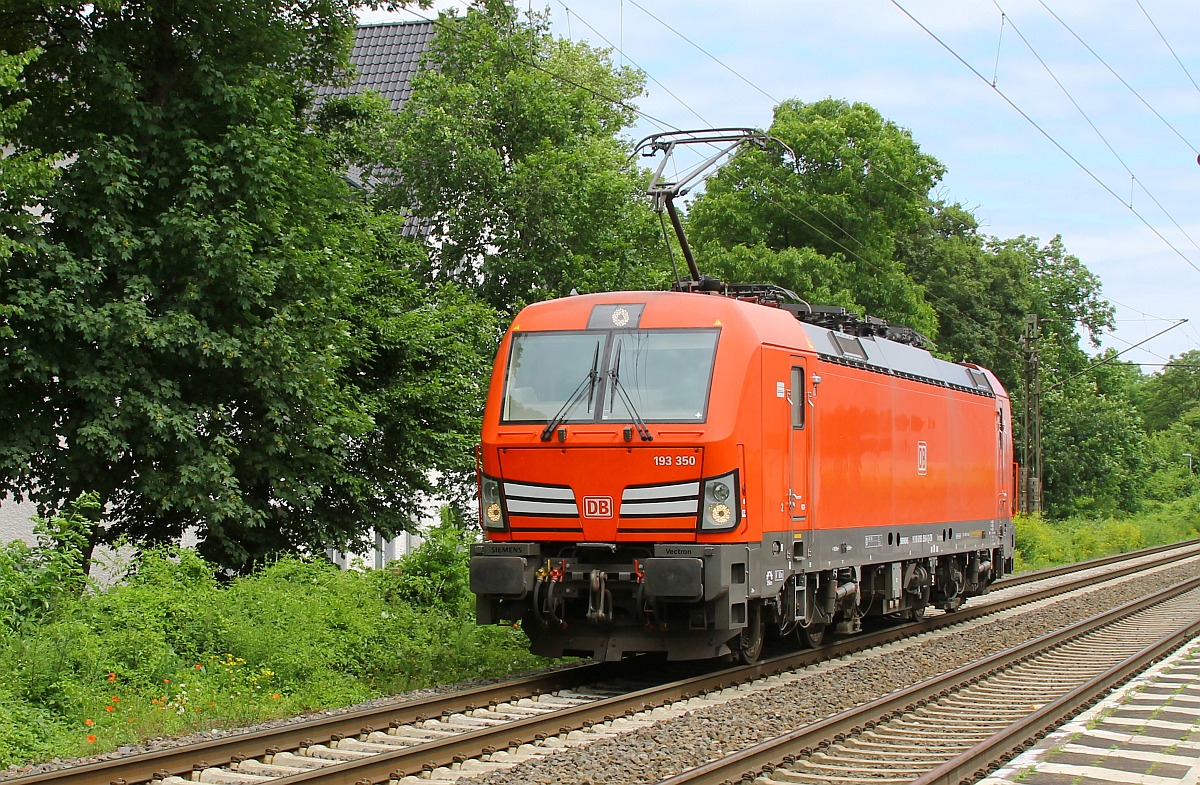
(1041, 542)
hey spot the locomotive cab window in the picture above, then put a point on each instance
(660, 375)
(610, 376)
(548, 371)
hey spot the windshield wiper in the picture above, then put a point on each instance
(615, 374)
(588, 385)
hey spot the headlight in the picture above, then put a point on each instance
(718, 491)
(491, 503)
(719, 507)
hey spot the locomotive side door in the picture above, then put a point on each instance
(799, 462)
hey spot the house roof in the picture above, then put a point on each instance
(385, 58)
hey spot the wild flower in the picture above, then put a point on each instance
(112, 676)
(89, 722)
(91, 737)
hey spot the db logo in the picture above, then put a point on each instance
(597, 507)
(922, 457)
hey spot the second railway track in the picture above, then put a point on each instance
(954, 728)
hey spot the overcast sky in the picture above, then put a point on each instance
(1039, 135)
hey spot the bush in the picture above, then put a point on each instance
(170, 649)
(1044, 543)
(34, 580)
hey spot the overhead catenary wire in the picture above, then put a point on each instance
(1168, 45)
(625, 56)
(1049, 137)
(1133, 177)
(819, 231)
(1120, 78)
(843, 232)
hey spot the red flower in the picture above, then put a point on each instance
(91, 737)
(112, 676)
(109, 708)
(89, 722)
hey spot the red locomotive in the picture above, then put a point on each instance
(684, 471)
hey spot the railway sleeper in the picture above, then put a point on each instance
(252, 766)
(293, 760)
(325, 752)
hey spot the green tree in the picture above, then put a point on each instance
(208, 333)
(1167, 397)
(1172, 472)
(509, 155)
(419, 369)
(1095, 452)
(1169, 402)
(25, 172)
(856, 185)
(981, 296)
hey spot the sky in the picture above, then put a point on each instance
(1078, 118)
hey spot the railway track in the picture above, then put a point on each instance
(953, 728)
(501, 722)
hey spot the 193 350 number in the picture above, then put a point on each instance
(674, 460)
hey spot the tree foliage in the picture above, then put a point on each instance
(1174, 394)
(25, 171)
(509, 155)
(214, 331)
(856, 184)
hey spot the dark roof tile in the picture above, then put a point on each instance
(385, 58)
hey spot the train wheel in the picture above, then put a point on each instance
(917, 611)
(811, 636)
(750, 641)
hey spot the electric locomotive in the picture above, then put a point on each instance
(685, 471)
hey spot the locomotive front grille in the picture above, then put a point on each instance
(540, 501)
(678, 500)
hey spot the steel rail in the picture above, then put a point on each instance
(225, 750)
(1032, 576)
(973, 764)
(765, 757)
(218, 752)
